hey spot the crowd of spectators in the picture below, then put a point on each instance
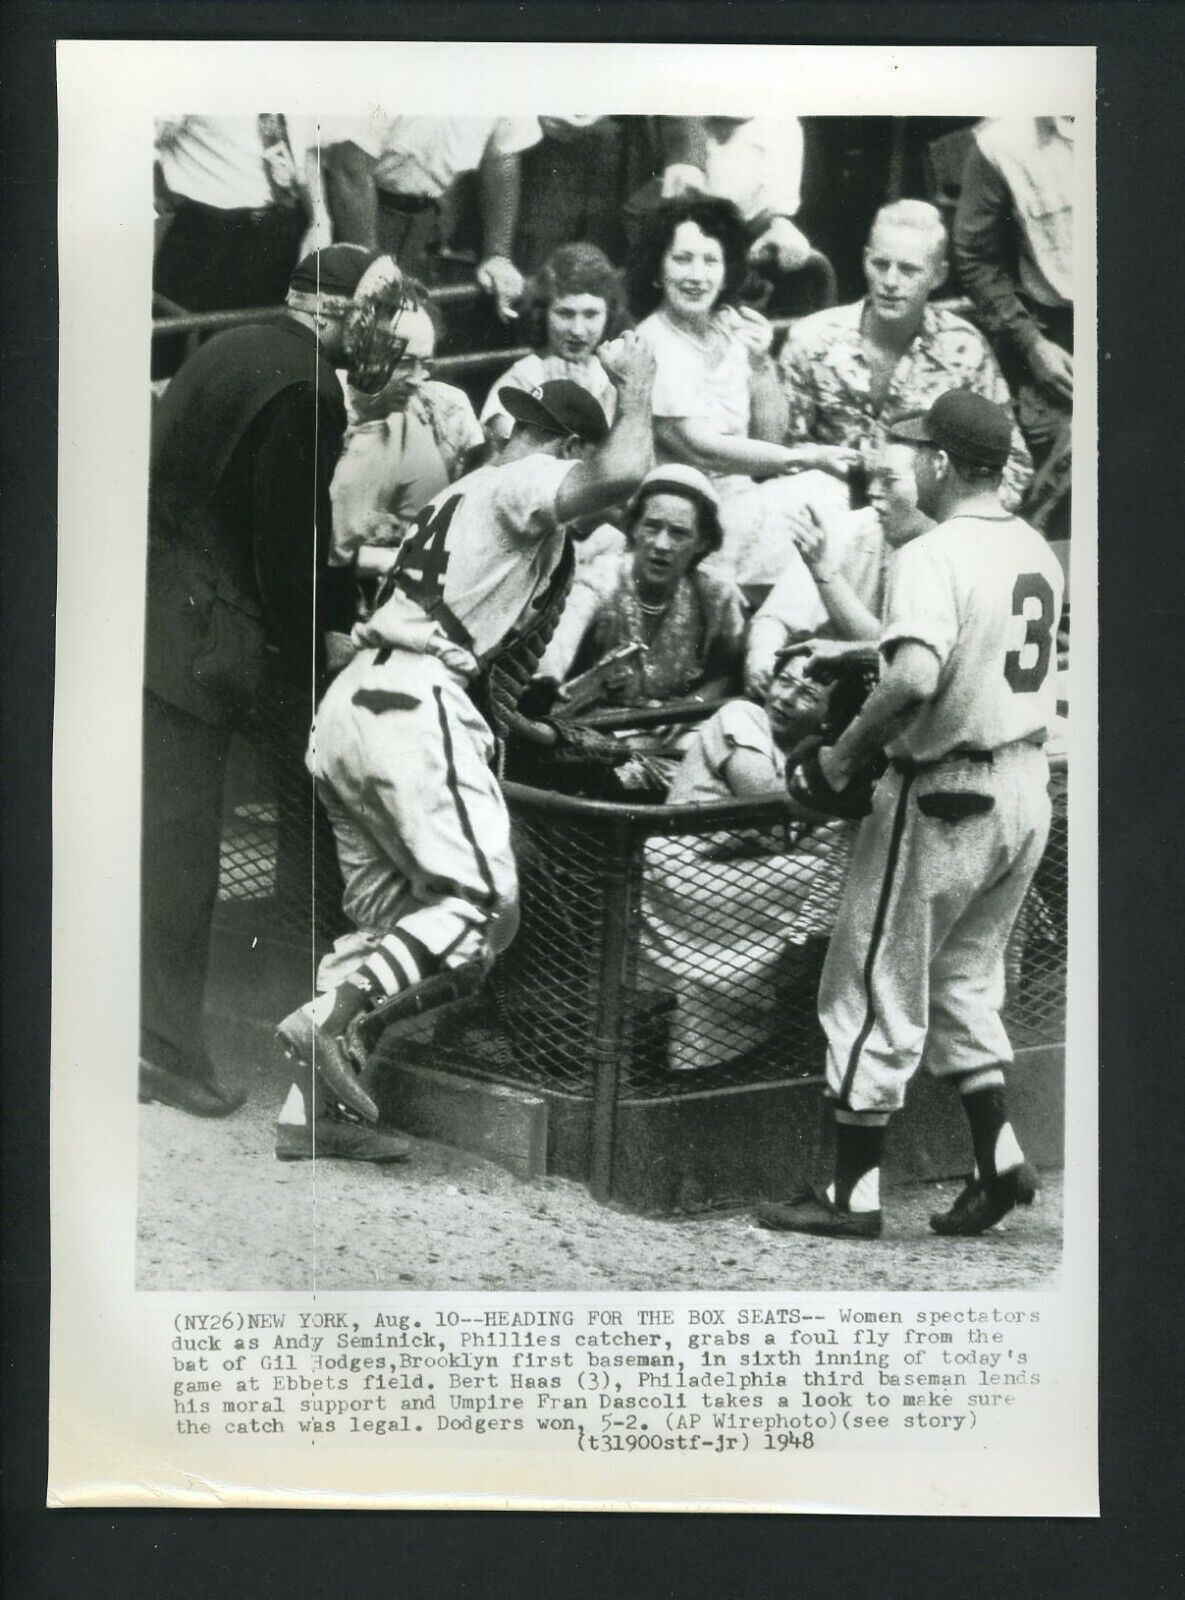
(688, 228)
(776, 501)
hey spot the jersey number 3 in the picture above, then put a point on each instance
(423, 555)
(1027, 678)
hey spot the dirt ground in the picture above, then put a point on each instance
(218, 1211)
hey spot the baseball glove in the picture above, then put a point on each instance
(810, 790)
(578, 744)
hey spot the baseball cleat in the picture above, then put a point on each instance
(310, 1047)
(811, 1212)
(331, 1138)
(981, 1205)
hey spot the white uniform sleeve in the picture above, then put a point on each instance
(921, 604)
(524, 497)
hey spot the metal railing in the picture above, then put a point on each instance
(193, 325)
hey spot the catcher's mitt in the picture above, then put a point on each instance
(810, 790)
(578, 744)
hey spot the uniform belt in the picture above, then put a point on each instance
(962, 752)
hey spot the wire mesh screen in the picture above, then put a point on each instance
(1035, 959)
(676, 949)
(279, 866)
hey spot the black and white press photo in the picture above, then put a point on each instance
(571, 748)
(610, 735)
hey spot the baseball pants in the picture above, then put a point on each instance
(916, 963)
(402, 762)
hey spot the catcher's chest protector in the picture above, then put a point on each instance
(513, 666)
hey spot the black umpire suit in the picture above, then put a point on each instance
(240, 595)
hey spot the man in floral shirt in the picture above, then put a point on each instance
(849, 373)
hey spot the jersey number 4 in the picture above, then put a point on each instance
(1028, 677)
(423, 555)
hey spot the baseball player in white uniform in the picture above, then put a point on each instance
(958, 825)
(402, 756)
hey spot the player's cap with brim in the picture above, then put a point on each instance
(558, 406)
(963, 423)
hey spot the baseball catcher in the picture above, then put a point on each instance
(405, 743)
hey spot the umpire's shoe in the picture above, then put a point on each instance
(201, 1097)
(812, 1212)
(338, 1139)
(982, 1202)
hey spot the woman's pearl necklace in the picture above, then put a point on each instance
(654, 611)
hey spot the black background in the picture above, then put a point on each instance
(1135, 1549)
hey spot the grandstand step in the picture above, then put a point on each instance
(726, 1148)
(508, 1126)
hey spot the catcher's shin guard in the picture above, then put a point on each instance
(367, 1028)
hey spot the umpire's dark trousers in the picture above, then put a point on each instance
(214, 260)
(180, 850)
(185, 760)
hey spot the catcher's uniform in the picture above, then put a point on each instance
(959, 820)
(401, 755)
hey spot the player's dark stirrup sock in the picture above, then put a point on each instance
(399, 962)
(859, 1146)
(996, 1147)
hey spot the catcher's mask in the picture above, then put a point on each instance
(385, 319)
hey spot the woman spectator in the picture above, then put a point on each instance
(735, 923)
(574, 303)
(717, 401)
(404, 444)
(690, 622)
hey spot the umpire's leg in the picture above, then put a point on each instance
(184, 767)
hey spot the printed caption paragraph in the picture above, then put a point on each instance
(636, 1380)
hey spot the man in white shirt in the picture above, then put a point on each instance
(237, 206)
(418, 161)
(1013, 245)
(756, 162)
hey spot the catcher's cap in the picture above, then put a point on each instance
(559, 406)
(965, 424)
(330, 276)
(680, 480)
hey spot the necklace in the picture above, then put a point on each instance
(653, 611)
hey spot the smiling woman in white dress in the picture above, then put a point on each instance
(718, 404)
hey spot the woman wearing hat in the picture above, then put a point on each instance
(717, 402)
(690, 622)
